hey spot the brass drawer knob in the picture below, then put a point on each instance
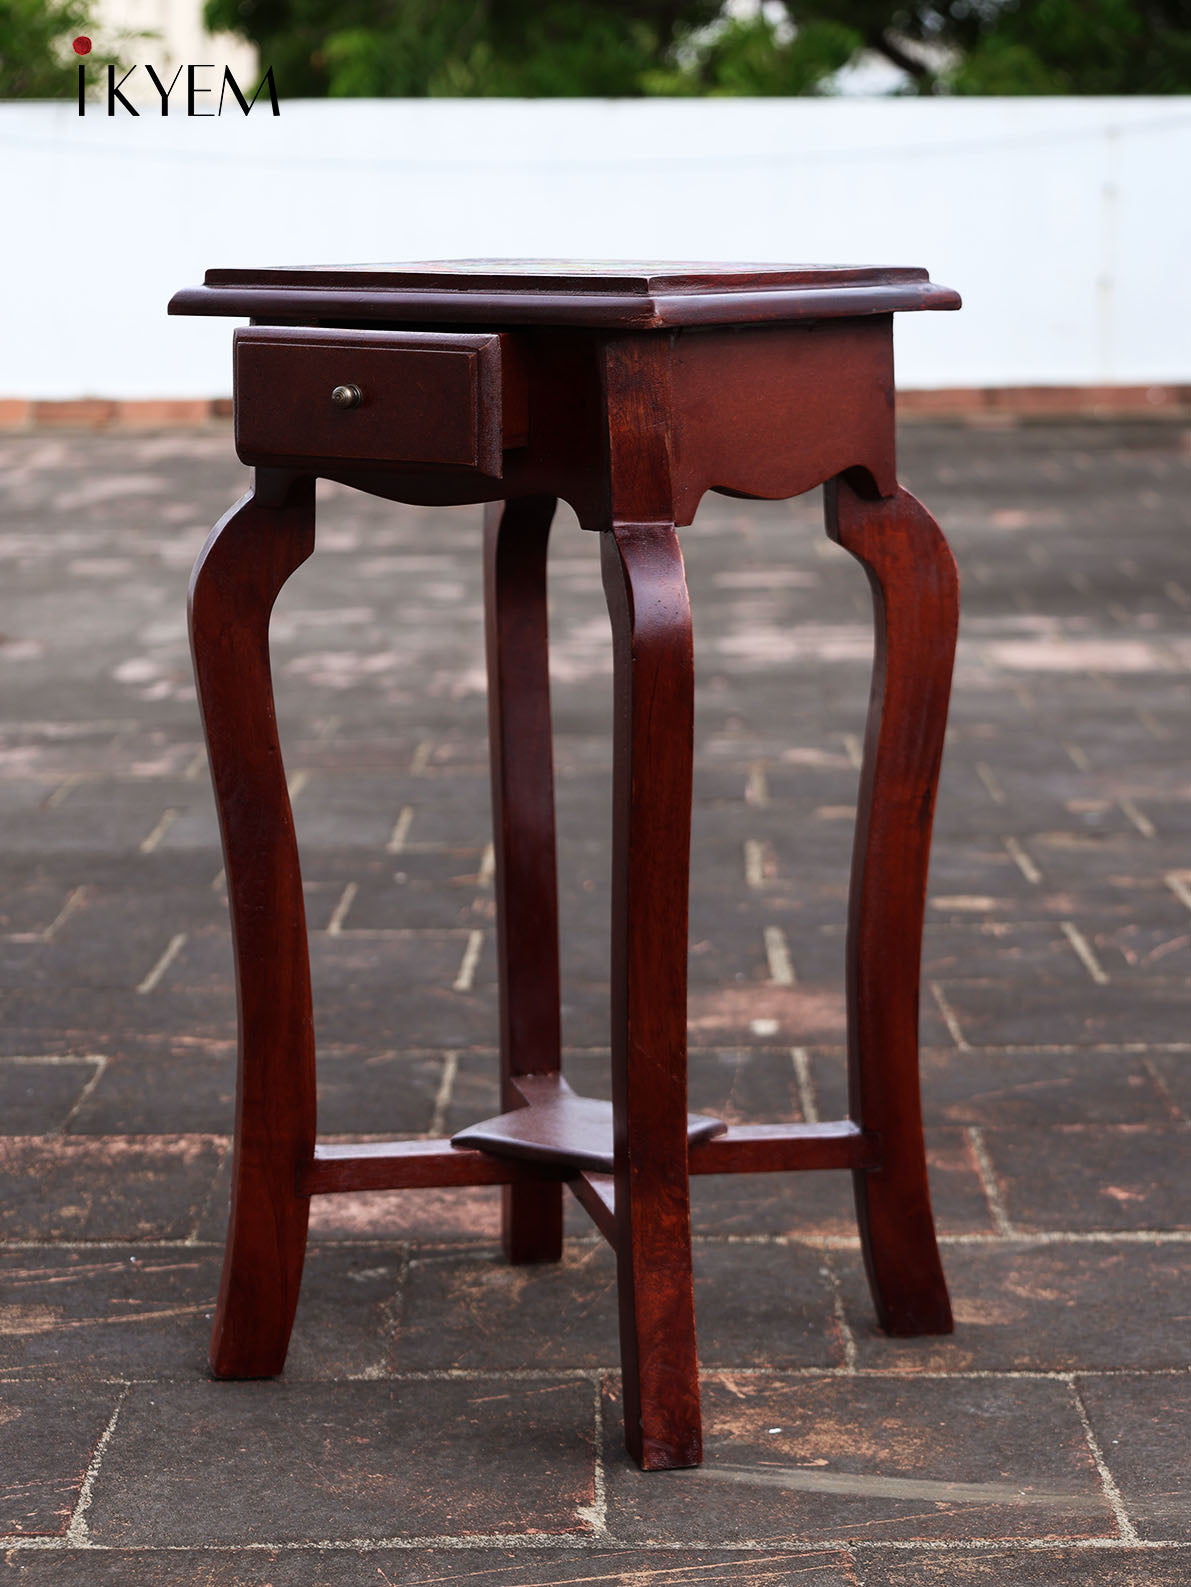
(346, 396)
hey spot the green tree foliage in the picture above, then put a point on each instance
(1081, 47)
(36, 59)
(630, 47)
(1026, 46)
(463, 47)
(761, 55)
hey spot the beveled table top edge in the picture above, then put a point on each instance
(618, 278)
(876, 292)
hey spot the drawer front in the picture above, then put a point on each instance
(401, 398)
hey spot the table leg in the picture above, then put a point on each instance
(916, 606)
(519, 736)
(651, 627)
(249, 556)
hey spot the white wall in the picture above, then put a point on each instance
(1065, 223)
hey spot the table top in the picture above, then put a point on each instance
(628, 294)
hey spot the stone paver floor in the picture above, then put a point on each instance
(444, 1419)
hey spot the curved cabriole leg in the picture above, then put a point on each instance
(651, 628)
(916, 607)
(519, 737)
(249, 556)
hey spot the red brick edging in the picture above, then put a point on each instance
(1058, 402)
(101, 413)
(972, 403)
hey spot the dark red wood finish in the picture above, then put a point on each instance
(552, 292)
(248, 557)
(916, 605)
(553, 1125)
(516, 534)
(424, 400)
(653, 729)
(628, 391)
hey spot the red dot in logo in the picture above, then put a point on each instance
(82, 45)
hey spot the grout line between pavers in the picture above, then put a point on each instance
(1153, 726)
(421, 758)
(1018, 1236)
(1084, 952)
(597, 1374)
(391, 1314)
(949, 1017)
(1081, 1047)
(1076, 755)
(340, 912)
(73, 903)
(847, 1337)
(467, 965)
(580, 1542)
(1158, 1081)
(400, 830)
(400, 934)
(1138, 818)
(756, 788)
(695, 1049)
(204, 1206)
(101, 1062)
(596, 1513)
(77, 1534)
(988, 1181)
(469, 1245)
(164, 822)
(777, 955)
(754, 863)
(807, 1101)
(63, 791)
(1021, 859)
(487, 868)
(992, 787)
(1111, 1492)
(53, 1060)
(174, 947)
(445, 1092)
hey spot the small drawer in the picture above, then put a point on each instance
(383, 398)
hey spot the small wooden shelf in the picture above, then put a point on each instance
(558, 1127)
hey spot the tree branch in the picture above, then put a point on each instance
(885, 44)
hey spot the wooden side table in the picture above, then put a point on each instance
(628, 391)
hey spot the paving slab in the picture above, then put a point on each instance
(754, 1305)
(1035, 1087)
(839, 1457)
(1141, 1426)
(382, 1567)
(39, 1095)
(282, 1462)
(1095, 1176)
(437, 1417)
(1018, 1567)
(48, 1438)
(1051, 1307)
(114, 1188)
(113, 1312)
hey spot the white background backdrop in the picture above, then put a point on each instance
(1065, 223)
